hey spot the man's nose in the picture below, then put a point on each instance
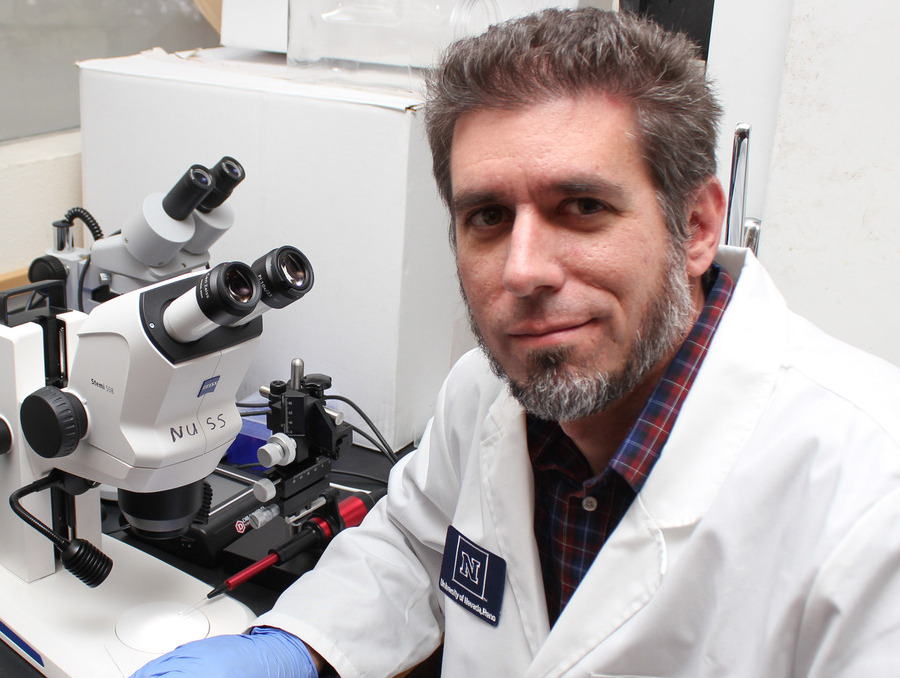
(532, 263)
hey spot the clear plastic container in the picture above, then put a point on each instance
(378, 42)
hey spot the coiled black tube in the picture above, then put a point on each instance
(87, 218)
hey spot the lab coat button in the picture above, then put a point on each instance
(589, 504)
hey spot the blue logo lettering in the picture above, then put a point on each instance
(208, 386)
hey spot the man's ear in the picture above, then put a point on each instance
(706, 213)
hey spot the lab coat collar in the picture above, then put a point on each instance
(727, 399)
(507, 465)
(715, 423)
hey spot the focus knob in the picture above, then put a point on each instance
(5, 437)
(53, 421)
(47, 268)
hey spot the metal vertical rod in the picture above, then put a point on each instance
(737, 190)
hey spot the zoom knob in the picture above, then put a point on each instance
(53, 421)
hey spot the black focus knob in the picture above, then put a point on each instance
(5, 437)
(47, 267)
(53, 421)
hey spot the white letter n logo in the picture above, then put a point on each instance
(469, 566)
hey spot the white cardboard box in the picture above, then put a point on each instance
(255, 24)
(344, 175)
(264, 24)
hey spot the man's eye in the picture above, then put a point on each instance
(581, 206)
(488, 216)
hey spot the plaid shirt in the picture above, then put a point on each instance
(576, 511)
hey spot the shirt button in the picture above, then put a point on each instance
(589, 504)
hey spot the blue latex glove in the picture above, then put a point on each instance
(264, 653)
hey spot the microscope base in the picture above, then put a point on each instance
(66, 630)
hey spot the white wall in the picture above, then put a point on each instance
(817, 81)
(831, 235)
(40, 180)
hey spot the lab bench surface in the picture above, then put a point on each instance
(258, 594)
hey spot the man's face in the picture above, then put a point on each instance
(563, 253)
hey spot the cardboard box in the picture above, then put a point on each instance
(342, 174)
(255, 24)
(264, 24)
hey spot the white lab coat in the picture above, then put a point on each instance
(765, 544)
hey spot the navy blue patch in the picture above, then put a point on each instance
(473, 576)
(208, 386)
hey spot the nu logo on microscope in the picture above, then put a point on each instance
(472, 576)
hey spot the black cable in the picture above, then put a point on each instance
(386, 447)
(371, 439)
(40, 484)
(355, 474)
(244, 467)
(380, 444)
(78, 556)
(246, 404)
(87, 218)
(253, 413)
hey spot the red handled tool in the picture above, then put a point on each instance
(315, 533)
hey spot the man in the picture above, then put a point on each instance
(651, 468)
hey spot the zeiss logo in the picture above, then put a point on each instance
(470, 567)
(208, 386)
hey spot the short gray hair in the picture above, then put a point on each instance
(564, 53)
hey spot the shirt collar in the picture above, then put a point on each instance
(642, 446)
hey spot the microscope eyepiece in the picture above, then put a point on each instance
(237, 285)
(294, 270)
(227, 173)
(223, 296)
(285, 275)
(190, 190)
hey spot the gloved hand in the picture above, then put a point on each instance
(264, 653)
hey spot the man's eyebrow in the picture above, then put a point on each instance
(589, 185)
(465, 200)
(572, 186)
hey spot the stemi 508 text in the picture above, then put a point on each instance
(103, 387)
(193, 429)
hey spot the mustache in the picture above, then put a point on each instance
(557, 390)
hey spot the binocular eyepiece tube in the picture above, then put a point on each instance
(232, 294)
(223, 295)
(192, 188)
(226, 174)
(285, 275)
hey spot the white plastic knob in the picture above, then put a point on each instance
(279, 450)
(264, 490)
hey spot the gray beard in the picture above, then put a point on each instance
(558, 391)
